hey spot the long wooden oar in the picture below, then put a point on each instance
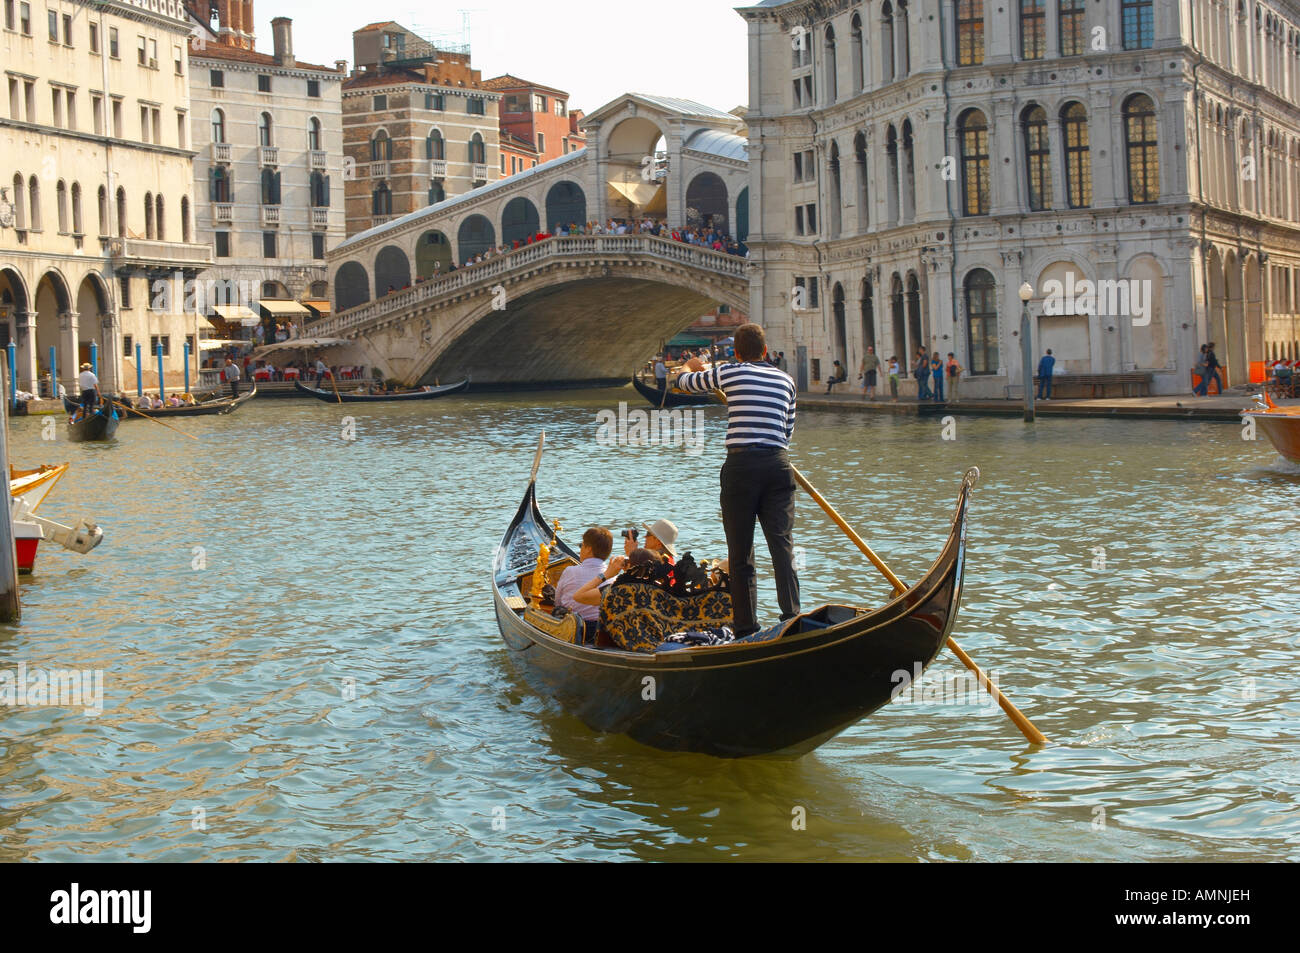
(336, 387)
(155, 420)
(1015, 714)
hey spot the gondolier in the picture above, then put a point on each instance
(233, 375)
(757, 479)
(89, 385)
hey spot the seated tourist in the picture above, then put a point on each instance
(597, 543)
(661, 539)
(589, 594)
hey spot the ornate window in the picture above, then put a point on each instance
(1033, 29)
(973, 135)
(1038, 158)
(1137, 23)
(1078, 158)
(1142, 147)
(1073, 34)
(970, 32)
(982, 322)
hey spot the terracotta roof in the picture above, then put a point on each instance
(506, 81)
(518, 143)
(217, 51)
(388, 77)
(379, 26)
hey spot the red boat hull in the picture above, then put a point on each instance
(26, 552)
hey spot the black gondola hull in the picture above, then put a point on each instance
(783, 697)
(329, 397)
(97, 426)
(656, 397)
(208, 408)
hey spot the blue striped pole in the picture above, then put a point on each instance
(13, 374)
(162, 391)
(139, 373)
(187, 367)
(94, 358)
(54, 374)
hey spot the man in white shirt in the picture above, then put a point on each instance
(597, 543)
(233, 374)
(89, 386)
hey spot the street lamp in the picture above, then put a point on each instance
(1027, 350)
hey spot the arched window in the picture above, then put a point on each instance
(891, 155)
(982, 322)
(20, 210)
(1078, 158)
(381, 147)
(904, 55)
(1033, 29)
(887, 73)
(908, 197)
(832, 67)
(270, 187)
(76, 208)
(434, 146)
(160, 218)
(148, 215)
(1038, 158)
(836, 196)
(218, 126)
(264, 130)
(103, 210)
(855, 38)
(61, 203)
(477, 152)
(973, 135)
(1073, 32)
(860, 160)
(1142, 147)
(185, 218)
(970, 32)
(1137, 23)
(381, 201)
(313, 135)
(34, 197)
(121, 212)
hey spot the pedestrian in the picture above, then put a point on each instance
(893, 378)
(232, 375)
(661, 374)
(757, 480)
(1045, 367)
(936, 372)
(89, 385)
(870, 364)
(954, 375)
(838, 376)
(921, 371)
(1212, 366)
(322, 372)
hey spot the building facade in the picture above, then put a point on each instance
(539, 115)
(517, 155)
(419, 126)
(96, 206)
(914, 162)
(268, 172)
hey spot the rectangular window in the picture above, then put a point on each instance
(539, 103)
(29, 97)
(1072, 33)
(1138, 24)
(268, 245)
(25, 19)
(223, 244)
(798, 95)
(54, 25)
(144, 123)
(474, 106)
(313, 88)
(503, 163)
(189, 343)
(70, 98)
(67, 29)
(97, 113)
(94, 37)
(153, 54)
(112, 42)
(379, 103)
(181, 128)
(798, 222)
(178, 60)
(811, 216)
(128, 346)
(434, 101)
(117, 118)
(798, 166)
(156, 115)
(160, 343)
(141, 50)
(970, 32)
(263, 82)
(318, 246)
(10, 19)
(56, 106)
(1033, 29)
(561, 108)
(216, 79)
(541, 143)
(124, 285)
(15, 100)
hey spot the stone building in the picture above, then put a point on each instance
(540, 115)
(419, 126)
(269, 166)
(913, 162)
(96, 210)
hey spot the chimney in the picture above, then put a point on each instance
(282, 32)
(341, 66)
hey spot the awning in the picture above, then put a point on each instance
(281, 308)
(236, 314)
(210, 345)
(303, 344)
(322, 308)
(640, 194)
(659, 204)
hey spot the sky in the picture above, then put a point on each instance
(595, 51)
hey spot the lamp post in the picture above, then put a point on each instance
(1027, 350)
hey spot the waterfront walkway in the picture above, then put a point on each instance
(1169, 407)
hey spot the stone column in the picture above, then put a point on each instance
(1106, 144)
(69, 352)
(110, 356)
(25, 326)
(1056, 161)
(1003, 180)
(1052, 36)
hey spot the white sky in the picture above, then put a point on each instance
(692, 49)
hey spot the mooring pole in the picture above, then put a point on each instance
(11, 609)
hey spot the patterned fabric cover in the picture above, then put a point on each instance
(639, 615)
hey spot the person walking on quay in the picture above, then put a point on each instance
(870, 365)
(757, 480)
(233, 375)
(893, 379)
(1045, 367)
(1212, 366)
(89, 393)
(1201, 388)
(954, 375)
(921, 371)
(936, 372)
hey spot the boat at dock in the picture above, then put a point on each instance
(1281, 424)
(674, 398)
(344, 397)
(28, 489)
(211, 405)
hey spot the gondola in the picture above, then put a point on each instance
(213, 406)
(823, 672)
(653, 394)
(343, 397)
(100, 425)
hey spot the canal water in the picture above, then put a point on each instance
(300, 659)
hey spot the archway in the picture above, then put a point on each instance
(1254, 315)
(840, 339)
(1233, 352)
(914, 324)
(392, 270)
(1216, 318)
(900, 343)
(867, 307)
(519, 220)
(53, 300)
(706, 202)
(92, 307)
(476, 235)
(13, 309)
(565, 202)
(351, 286)
(432, 254)
(742, 215)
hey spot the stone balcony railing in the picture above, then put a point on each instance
(270, 215)
(559, 248)
(142, 251)
(437, 168)
(223, 213)
(320, 218)
(377, 220)
(480, 172)
(379, 169)
(318, 159)
(221, 152)
(269, 155)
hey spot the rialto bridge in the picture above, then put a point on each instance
(568, 309)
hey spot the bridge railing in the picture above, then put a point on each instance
(569, 246)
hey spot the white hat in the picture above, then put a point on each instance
(666, 532)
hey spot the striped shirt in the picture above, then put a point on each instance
(760, 401)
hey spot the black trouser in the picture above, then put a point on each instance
(234, 388)
(89, 401)
(759, 483)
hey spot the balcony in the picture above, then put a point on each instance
(318, 158)
(437, 168)
(223, 213)
(270, 215)
(480, 171)
(320, 218)
(379, 170)
(221, 152)
(152, 254)
(269, 155)
(377, 220)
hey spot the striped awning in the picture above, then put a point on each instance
(277, 307)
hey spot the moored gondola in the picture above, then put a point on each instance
(343, 397)
(784, 691)
(213, 406)
(652, 393)
(101, 424)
